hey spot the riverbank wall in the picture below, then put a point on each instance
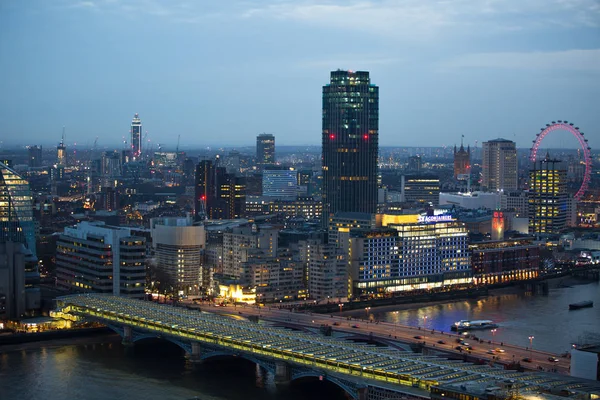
(20, 338)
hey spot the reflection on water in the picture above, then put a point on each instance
(149, 371)
(546, 317)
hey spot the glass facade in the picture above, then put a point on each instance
(265, 149)
(16, 209)
(547, 197)
(350, 140)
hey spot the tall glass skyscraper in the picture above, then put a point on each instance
(350, 143)
(136, 137)
(16, 209)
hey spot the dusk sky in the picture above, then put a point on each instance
(220, 72)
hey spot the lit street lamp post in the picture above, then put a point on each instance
(341, 305)
(531, 346)
(425, 321)
(367, 309)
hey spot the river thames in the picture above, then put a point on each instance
(158, 370)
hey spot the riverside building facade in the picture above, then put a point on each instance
(99, 258)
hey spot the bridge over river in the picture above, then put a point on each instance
(364, 371)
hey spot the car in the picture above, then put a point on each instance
(499, 350)
(553, 359)
(356, 326)
(418, 337)
(464, 343)
(336, 323)
(491, 352)
(526, 359)
(469, 348)
(459, 348)
(441, 342)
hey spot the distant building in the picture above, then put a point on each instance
(422, 189)
(265, 149)
(350, 139)
(34, 156)
(342, 223)
(178, 248)
(239, 245)
(499, 166)
(218, 195)
(280, 184)
(108, 199)
(111, 167)
(473, 200)
(99, 258)
(548, 197)
(136, 137)
(415, 164)
(462, 162)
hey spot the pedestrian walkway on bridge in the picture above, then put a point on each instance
(309, 350)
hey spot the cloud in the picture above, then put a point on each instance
(358, 61)
(568, 60)
(417, 17)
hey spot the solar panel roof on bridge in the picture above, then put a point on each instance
(391, 360)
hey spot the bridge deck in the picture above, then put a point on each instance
(335, 355)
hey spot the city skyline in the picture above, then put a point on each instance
(483, 70)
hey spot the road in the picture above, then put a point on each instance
(506, 353)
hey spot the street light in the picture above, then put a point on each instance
(341, 305)
(397, 321)
(494, 332)
(425, 321)
(367, 311)
(531, 346)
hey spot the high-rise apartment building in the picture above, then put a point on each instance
(136, 137)
(500, 171)
(265, 149)
(327, 272)
(548, 196)
(34, 156)
(99, 258)
(178, 248)
(350, 140)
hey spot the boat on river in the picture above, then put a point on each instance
(465, 325)
(581, 304)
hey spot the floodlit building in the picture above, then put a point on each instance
(504, 260)
(99, 258)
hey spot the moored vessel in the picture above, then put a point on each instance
(581, 304)
(465, 325)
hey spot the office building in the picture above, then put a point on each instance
(499, 165)
(111, 167)
(218, 195)
(34, 156)
(265, 149)
(17, 295)
(421, 189)
(327, 271)
(462, 162)
(350, 144)
(342, 223)
(241, 244)
(432, 252)
(548, 196)
(136, 137)
(16, 209)
(178, 249)
(99, 258)
(280, 184)
(501, 261)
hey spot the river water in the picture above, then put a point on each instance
(158, 370)
(519, 315)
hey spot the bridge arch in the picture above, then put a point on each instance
(348, 387)
(267, 365)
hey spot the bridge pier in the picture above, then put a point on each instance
(282, 373)
(194, 356)
(127, 336)
(362, 393)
